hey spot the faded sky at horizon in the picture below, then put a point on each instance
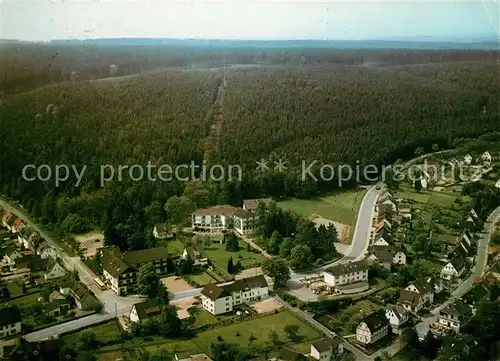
(271, 19)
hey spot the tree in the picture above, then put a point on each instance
(232, 244)
(278, 270)
(292, 332)
(179, 208)
(148, 281)
(419, 151)
(184, 267)
(230, 266)
(87, 340)
(197, 192)
(207, 242)
(67, 353)
(410, 338)
(286, 247)
(169, 322)
(301, 257)
(86, 356)
(430, 346)
(155, 213)
(274, 338)
(273, 244)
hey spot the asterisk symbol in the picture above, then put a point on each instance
(262, 165)
(280, 165)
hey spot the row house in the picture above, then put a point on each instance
(453, 269)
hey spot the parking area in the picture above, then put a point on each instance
(91, 242)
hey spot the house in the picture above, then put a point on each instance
(144, 310)
(10, 256)
(120, 269)
(23, 236)
(397, 316)
(245, 222)
(498, 184)
(183, 356)
(57, 307)
(30, 264)
(195, 256)
(44, 250)
(404, 210)
(386, 256)
(53, 270)
(252, 204)
(383, 211)
(381, 230)
(343, 274)
(486, 157)
(464, 249)
(386, 199)
(327, 349)
(161, 231)
(10, 321)
(372, 328)
(214, 219)
(8, 219)
(468, 159)
(477, 294)
(380, 242)
(411, 301)
(17, 225)
(56, 295)
(287, 354)
(424, 288)
(454, 316)
(453, 269)
(84, 300)
(473, 214)
(222, 299)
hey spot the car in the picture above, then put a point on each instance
(379, 187)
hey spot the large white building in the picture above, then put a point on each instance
(327, 349)
(346, 273)
(224, 217)
(222, 299)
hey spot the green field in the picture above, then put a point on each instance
(201, 278)
(219, 256)
(106, 332)
(340, 207)
(22, 302)
(175, 247)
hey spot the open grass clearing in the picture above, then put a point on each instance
(339, 207)
(219, 256)
(22, 302)
(105, 332)
(201, 278)
(175, 246)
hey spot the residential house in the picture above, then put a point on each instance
(214, 219)
(387, 256)
(473, 214)
(120, 269)
(327, 349)
(497, 184)
(57, 307)
(142, 311)
(8, 219)
(424, 288)
(380, 242)
(287, 354)
(486, 157)
(381, 233)
(478, 293)
(183, 356)
(252, 204)
(464, 249)
(34, 265)
(397, 316)
(343, 274)
(222, 299)
(23, 236)
(84, 300)
(383, 211)
(411, 301)
(245, 222)
(404, 209)
(56, 295)
(195, 256)
(453, 269)
(44, 250)
(10, 255)
(10, 321)
(53, 269)
(454, 316)
(17, 225)
(162, 231)
(372, 328)
(468, 159)
(386, 198)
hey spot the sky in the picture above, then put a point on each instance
(41, 20)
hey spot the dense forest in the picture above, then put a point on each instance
(98, 105)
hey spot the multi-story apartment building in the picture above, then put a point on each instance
(224, 217)
(120, 269)
(222, 299)
(346, 273)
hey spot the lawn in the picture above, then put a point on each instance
(175, 247)
(341, 207)
(409, 193)
(22, 302)
(219, 256)
(105, 332)
(201, 278)
(344, 321)
(259, 328)
(15, 288)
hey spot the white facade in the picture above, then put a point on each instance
(486, 157)
(213, 223)
(12, 329)
(449, 272)
(366, 337)
(133, 316)
(245, 225)
(380, 242)
(219, 306)
(427, 297)
(399, 258)
(10, 259)
(48, 252)
(122, 284)
(334, 280)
